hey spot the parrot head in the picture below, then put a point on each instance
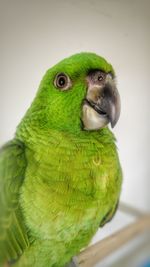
(77, 94)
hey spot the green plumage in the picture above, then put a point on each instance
(58, 182)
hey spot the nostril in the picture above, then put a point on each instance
(96, 77)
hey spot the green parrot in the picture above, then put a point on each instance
(60, 176)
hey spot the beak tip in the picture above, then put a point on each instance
(112, 124)
(114, 119)
(114, 113)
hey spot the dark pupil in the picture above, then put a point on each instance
(61, 81)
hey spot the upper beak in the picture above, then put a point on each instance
(110, 103)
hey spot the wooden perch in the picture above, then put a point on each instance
(123, 207)
(93, 254)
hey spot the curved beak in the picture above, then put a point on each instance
(110, 103)
(101, 106)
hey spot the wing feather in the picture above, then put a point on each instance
(13, 233)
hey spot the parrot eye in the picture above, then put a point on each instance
(62, 81)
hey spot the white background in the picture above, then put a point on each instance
(37, 34)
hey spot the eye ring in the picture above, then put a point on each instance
(62, 81)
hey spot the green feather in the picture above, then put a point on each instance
(13, 235)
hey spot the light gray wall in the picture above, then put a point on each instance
(36, 34)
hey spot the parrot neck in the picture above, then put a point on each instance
(32, 135)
